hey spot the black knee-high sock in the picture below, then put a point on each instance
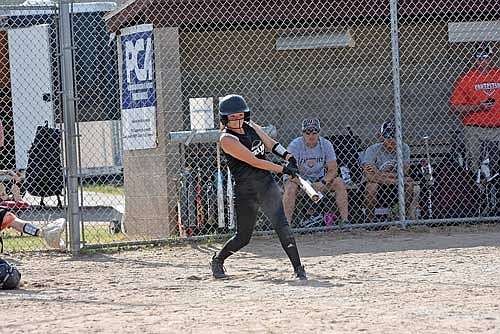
(288, 243)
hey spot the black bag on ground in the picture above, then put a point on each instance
(347, 149)
(454, 194)
(44, 173)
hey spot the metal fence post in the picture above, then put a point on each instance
(397, 107)
(68, 102)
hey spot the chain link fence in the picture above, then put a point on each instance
(33, 158)
(32, 182)
(148, 76)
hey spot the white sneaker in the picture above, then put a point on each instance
(52, 233)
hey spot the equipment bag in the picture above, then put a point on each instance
(44, 173)
(454, 192)
(347, 149)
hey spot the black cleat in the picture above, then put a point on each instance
(217, 267)
(300, 273)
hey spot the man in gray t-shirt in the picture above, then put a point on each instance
(317, 163)
(380, 168)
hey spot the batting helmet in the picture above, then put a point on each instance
(10, 277)
(232, 104)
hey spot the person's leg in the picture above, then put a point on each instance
(246, 216)
(271, 203)
(245, 207)
(473, 146)
(412, 214)
(371, 190)
(492, 138)
(16, 192)
(8, 219)
(3, 192)
(289, 199)
(338, 186)
(370, 200)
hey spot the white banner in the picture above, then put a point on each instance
(139, 128)
(201, 112)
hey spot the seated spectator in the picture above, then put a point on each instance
(317, 163)
(15, 190)
(380, 169)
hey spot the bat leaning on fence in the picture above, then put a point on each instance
(220, 192)
(430, 181)
(200, 211)
(310, 191)
(230, 199)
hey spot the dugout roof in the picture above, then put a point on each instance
(234, 13)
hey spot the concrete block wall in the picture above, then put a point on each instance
(150, 193)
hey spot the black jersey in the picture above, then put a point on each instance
(251, 140)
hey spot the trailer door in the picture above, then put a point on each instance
(30, 73)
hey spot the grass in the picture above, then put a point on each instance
(94, 234)
(14, 242)
(104, 188)
(97, 234)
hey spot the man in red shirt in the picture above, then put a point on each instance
(477, 99)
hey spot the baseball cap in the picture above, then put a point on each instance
(483, 50)
(387, 126)
(311, 123)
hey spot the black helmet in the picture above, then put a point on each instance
(10, 277)
(232, 104)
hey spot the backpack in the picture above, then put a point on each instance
(44, 173)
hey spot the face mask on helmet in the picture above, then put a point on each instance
(225, 119)
(233, 104)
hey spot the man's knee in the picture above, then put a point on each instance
(7, 219)
(371, 189)
(408, 184)
(291, 190)
(371, 192)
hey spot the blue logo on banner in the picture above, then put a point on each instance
(138, 70)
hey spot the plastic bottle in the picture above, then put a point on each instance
(346, 176)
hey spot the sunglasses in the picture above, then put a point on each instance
(311, 131)
(482, 55)
(389, 135)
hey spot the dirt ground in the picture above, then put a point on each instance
(425, 281)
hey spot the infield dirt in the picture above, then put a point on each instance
(423, 281)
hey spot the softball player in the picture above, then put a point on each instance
(10, 277)
(244, 144)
